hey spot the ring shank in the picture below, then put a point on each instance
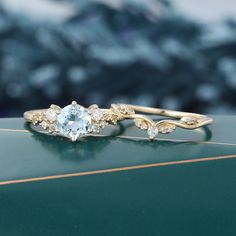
(205, 120)
(163, 112)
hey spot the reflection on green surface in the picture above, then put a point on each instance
(187, 199)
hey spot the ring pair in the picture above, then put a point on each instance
(75, 121)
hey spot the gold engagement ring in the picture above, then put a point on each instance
(75, 121)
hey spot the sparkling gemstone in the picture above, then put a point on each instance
(152, 132)
(51, 115)
(141, 124)
(73, 121)
(44, 124)
(97, 114)
(144, 125)
(95, 128)
(189, 120)
(35, 119)
(166, 128)
(52, 128)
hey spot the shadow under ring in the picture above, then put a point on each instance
(109, 131)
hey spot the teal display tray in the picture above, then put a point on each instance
(181, 184)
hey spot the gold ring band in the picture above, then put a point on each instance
(75, 121)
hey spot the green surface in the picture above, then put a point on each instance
(184, 199)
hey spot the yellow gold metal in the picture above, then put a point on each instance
(118, 112)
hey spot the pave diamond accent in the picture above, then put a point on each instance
(44, 124)
(97, 115)
(141, 124)
(166, 128)
(189, 120)
(51, 115)
(152, 132)
(73, 121)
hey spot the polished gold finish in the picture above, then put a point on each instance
(98, 118)
(184, 120)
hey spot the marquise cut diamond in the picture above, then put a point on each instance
(152, 132)
(73, 121)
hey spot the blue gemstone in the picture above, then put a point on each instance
(73, 121)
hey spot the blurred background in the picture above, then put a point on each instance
(175, 54)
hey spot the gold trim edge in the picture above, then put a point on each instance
(135, 138)
(126, 168)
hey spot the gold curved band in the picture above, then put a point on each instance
(75, 121)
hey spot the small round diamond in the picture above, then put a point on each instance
(141, 124)
(189, 120)
(44, 124)
(152, 132)
(51, 115)
(95, 128)
(52, 128)
(166, 128)
(97, 114)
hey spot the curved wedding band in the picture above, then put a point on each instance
(75, 121)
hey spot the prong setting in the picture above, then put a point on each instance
(72, 121)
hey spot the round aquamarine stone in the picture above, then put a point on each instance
(73, 121)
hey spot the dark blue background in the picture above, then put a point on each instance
(141, 52)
